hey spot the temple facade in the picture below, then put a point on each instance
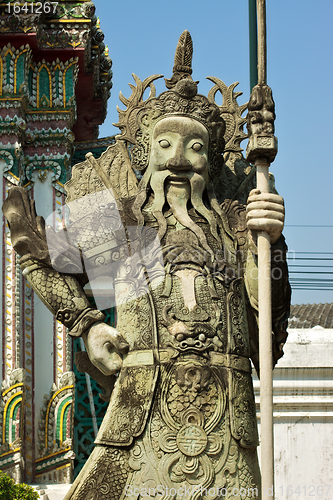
(55, 80)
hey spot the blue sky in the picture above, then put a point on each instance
(142, 38)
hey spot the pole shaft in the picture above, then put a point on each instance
(262, 49)
(265, 346)
(253, 43)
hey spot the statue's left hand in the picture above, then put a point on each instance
(265, 212)
(104, 346)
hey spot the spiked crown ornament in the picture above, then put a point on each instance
(224, 123)
(115, 169)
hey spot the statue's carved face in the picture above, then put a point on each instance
(178, 174)
(180, 149)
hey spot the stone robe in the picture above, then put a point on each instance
(182, 421)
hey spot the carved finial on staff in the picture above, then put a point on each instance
(261, 116)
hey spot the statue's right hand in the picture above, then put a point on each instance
(104, 345)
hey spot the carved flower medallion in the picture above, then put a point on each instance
(189, 448)
(191, 440)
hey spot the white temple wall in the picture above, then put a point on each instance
(43, 318)
(303, 416)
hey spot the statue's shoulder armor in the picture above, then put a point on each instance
(128, 215)
(235, 213)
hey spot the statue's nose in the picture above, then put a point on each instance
(178, 162)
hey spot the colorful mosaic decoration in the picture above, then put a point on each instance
(11, 418)
(38, 110)
(55, 440)
(83, 430)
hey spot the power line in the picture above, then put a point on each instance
(316, 253)
(312, 272)
(310, 258)
(305, 225)
(314, 289)
(307, 270)
(305, 265)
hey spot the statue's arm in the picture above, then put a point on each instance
(266, 212)
(65, 298)
(280, 298)
(61, 292)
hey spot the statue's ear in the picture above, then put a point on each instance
(145, 120)
(112, 171)
(218, 131)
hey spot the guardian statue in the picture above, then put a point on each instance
(162, 216)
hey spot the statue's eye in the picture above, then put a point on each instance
(164, 143)
(197, 146)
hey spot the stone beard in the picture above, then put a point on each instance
(177, 175)
(180, 196)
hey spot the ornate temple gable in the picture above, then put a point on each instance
(38, 110)
(50, 98)
(71, 30)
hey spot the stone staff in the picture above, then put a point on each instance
(261, 150)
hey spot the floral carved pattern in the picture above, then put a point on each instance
(187, 431)
(243, 410)
(239, 341)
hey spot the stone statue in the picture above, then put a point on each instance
(181, 421)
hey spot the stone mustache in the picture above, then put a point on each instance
(180, 248)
